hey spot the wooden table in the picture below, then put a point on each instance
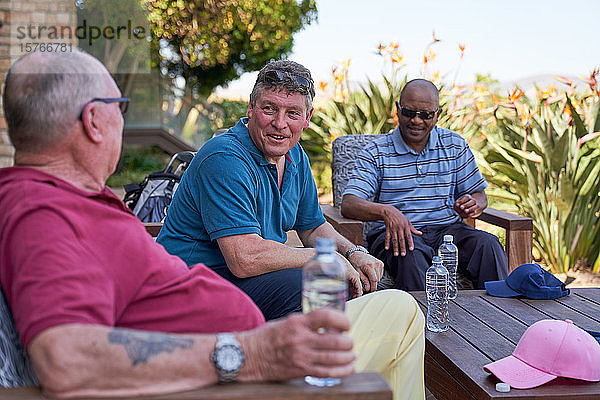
(484, 328)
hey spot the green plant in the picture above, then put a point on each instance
(547, 159)
(136, 163)
(370, 109)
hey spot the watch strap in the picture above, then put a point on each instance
(356, 248)
(227, 339)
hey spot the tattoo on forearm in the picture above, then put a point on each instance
(140, 346)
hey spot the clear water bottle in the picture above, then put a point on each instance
(449, 253)
(324, 284)
(436, 286)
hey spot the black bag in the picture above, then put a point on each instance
(150, 199)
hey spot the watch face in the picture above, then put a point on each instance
(229, 358)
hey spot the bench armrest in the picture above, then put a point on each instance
(351, 229)
(519, 235)
(364, 385)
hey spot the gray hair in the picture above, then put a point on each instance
(289, 84)
(44, 94)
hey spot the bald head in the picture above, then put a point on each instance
(423, 86)
(44, 94)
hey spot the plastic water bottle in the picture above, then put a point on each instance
(449, 253)
(324, 284)
(436, 286)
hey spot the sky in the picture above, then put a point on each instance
(509, 39)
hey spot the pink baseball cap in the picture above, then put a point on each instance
(548, 349)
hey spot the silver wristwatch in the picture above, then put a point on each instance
(356, 248)
(228, 357)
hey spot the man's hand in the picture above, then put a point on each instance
(369, 268)
(468, 205)
(398, 231)
(353, 277)
(300, 345)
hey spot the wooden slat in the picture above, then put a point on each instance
(506, 220)
(153, 228)
(361, 386)
(518, 247)
(498, 320)
(156, 137)
(450, 350)
(351, 229)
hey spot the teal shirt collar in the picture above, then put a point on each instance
(243, 135)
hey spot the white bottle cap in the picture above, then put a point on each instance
(502, 387)
(448, 238)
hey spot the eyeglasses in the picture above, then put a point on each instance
(408, 113)
(275, 77)
(123, 103)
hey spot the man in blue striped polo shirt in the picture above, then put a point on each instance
(417, 183)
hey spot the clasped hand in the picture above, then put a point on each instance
(362, 271)
(466, 206)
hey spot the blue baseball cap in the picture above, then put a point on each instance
(529, 280)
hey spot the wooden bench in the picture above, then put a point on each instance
(345, 149)
(153, 228)
(519, 231)
(360, 386)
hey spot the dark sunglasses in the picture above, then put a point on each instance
(123, 103)
(408, 113)
(275, 77)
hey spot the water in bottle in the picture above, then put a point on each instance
(449, 253)
(436, 286)
(324, 284)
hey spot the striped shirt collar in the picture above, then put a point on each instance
(402, 148)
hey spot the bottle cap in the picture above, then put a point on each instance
(436, 259)
(325, 245)
(502, 387)
(448, 238)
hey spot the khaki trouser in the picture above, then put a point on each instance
(388, 333)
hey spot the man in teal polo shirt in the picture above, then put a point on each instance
(247, 187)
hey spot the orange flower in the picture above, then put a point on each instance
(396, 57)
(564, 80)
(435, 39)
(323, 85)
(592, 82)
(515, 95)
(461, 47)
(428, 56)
(548, 92)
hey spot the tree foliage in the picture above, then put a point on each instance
(212, 42)
(116, 32)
